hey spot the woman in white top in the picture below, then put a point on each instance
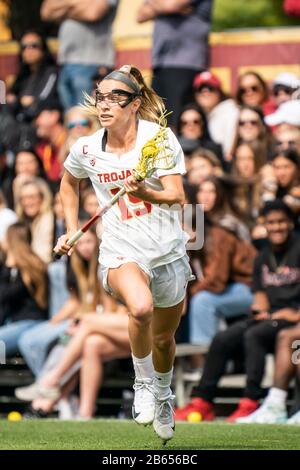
(142, 254)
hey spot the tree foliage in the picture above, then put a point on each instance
(230, 14)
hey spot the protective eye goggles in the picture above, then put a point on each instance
(116, 97)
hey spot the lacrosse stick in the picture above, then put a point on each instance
(155, 155)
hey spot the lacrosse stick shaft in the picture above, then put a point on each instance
(74, 239)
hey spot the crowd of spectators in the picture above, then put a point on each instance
(242, 154)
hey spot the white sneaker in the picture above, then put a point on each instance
(68, 408)
(295, 419)
(143, 408)
(268, 413)
(35, 390)
(164, 422)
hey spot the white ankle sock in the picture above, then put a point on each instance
(277, 396)
(143, 367)
(162, 383)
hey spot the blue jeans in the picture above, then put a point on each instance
(35, 344)
(206, 310)
(73, 80)
(59, 294)
(11, 332)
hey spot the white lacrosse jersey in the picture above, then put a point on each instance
(147, 233)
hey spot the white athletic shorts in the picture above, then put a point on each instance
(168, 282)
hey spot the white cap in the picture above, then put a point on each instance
(287, 79)
(288, 112)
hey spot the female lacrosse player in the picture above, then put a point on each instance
(143, 256)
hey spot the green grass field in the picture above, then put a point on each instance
(113, 434)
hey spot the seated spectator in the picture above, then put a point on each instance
(275, 307)
(37, 77)
(283, 87)
(202, 163)
(273, 409)
(286, 173)
(27, 164)
(251, 128)
(221, 111)
(246, 170)
(192, 125)
(78, 123)
(80, 278)
(253, 91)
(52, 136)
(226, 263)
(288, 139)
(34, 206)
(24, 286)
(96, 338)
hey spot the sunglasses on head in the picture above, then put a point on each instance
(30, 45)
(252, 122)
(81, 122)
(253, 88)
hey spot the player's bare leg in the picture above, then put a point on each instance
(164, 326)
(131, 284)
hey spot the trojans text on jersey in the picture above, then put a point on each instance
(114, 176)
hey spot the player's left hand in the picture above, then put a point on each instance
(134, 187)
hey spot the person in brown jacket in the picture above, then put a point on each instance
(222, 289)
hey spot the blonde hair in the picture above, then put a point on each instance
(32, 269)
(152, 106)
(44, 192)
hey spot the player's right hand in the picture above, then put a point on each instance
(62, 247)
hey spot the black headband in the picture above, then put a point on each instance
(124, 78)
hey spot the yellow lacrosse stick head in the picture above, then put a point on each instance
(156, 153)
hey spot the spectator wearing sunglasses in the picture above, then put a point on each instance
(221, 111)
(37, 77)
(283, 87)
(252, 129)
(77, 124)
(252, 90)
(192, 128)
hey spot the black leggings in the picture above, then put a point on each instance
(250, 338)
